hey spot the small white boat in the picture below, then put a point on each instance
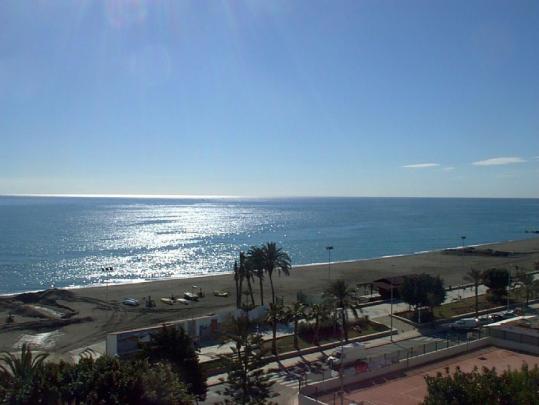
(182, 301)
(190, 296)
(168, 301)
(132, 302)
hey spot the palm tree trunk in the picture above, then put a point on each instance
(261, 291)
(476, 299)
(240, 292)
(272, 290)
(296, 321)
(237, 293)
(250, 287)
(274, 342)
(344, 325)
(316, 330)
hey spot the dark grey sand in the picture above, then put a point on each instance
(108, 315)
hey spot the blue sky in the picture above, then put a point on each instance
(270, 98)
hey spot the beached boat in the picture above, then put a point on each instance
(132, 302)
(190, 296)
(182, 301)
(168, 301)
(218, 293)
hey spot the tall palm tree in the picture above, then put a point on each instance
(247, 274)
(255, 256)
(342, 296)
(237, 276)
(475, 276)
(22, 368)
(275, 259)
(296, 313)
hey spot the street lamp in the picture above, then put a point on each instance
(340, 311)
(391, 315)
(329, 249)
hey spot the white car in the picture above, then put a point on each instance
(466, 324)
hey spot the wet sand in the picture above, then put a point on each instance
(93, 312)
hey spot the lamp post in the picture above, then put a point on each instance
(391, 315)
(341, 376)
(329, 249)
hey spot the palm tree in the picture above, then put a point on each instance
(317, 312)
(296, 313)
(238, 281)
(275, 314)
(475, 276)
(525, 280)
(22, 368)
(246, 273)
(255, 256)
(342, 296)
(275, 258)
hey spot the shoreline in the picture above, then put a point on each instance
(96, 311)
(295, 266)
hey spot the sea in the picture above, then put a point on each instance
(67, 241)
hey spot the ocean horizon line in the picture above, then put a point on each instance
(242, 197)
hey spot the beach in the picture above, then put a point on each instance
(77, 318)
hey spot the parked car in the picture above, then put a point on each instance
(512, 313)
(466, 324)
(485, 319)
(496, 317)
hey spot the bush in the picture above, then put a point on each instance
(485, 387)
(176, 347)
(103, 381)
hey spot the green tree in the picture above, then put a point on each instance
(248, 273)
(246, 381)
(475, 276)
(173, 345)
(296, 313)
(423, 290)
(275, 259)
(317, 313)
(20, 375)
(483, 387)
(255, 256)
(276, 313)
(341, 296)
(525, 281)
(91, 382)
(497, 280)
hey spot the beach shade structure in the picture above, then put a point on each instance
(389, 286)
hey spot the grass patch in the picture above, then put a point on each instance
(286, 343)
(460, 307)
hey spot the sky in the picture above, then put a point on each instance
(270, 98)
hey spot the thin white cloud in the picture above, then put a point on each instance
(449, 168)
(499, 161)
(421, 165)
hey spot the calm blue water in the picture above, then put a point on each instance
(52, 241)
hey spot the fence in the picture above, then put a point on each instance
(389, 359)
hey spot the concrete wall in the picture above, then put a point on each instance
(307, 394)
